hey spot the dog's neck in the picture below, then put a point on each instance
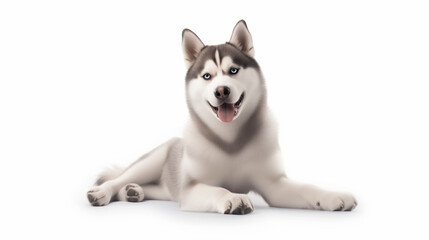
(233, 136)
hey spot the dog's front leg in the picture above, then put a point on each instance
(285, 193)
(206, 198)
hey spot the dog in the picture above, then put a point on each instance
(229, 145)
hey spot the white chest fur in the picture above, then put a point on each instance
(206, 162)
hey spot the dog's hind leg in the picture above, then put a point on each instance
(282, 192)
(127, 185)
(135, 193)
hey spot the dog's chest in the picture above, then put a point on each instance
(213, 166)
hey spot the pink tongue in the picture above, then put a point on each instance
(226, 112)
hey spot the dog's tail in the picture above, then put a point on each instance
(108, 174)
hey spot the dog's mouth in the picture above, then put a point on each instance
(227, 111)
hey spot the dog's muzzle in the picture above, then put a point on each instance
(227, 111)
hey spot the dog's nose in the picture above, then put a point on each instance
(222, 92)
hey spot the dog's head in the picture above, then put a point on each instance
(223, 80)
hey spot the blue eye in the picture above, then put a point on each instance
(207, 76)
(233, 70)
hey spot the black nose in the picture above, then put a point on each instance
(222, 92)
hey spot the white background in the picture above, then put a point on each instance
(88, 84)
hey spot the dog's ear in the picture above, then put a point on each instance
(191, 45)
(242, 39)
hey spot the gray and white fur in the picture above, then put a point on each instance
(229, 146)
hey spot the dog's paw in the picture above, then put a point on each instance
(234, 203)
(99, 196)
(335, 201)
(131, 193)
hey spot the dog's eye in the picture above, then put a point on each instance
(233, 70)
(207, 76)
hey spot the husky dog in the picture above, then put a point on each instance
(229, 146)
